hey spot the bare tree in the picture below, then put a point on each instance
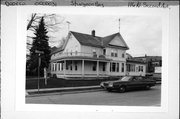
(53, 24)
(31, 21)
(52, 21)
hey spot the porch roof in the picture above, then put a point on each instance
(82, 58)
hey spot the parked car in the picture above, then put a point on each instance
(128, 82)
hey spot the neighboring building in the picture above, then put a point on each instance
(154, 63)
(128, 56)
(84, 55)
(135, 67)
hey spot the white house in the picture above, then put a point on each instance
(85, 55)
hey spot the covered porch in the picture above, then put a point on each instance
(66, 68)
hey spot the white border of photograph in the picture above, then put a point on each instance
(23, 12)
(13, 57)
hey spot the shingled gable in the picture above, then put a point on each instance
(96, 41)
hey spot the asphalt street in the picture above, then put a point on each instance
(150, 97)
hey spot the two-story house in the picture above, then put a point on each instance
(84, 55)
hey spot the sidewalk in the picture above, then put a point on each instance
(48, 91)
(45, 91)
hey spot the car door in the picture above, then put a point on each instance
(140, 82)
(133, 83)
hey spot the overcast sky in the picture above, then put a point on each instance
(143, 34)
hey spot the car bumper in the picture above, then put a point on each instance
(107, 87)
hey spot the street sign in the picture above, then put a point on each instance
(39, 52)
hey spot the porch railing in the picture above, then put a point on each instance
(68, 54)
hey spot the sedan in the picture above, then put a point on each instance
(128, 83)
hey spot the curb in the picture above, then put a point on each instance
(68, 90)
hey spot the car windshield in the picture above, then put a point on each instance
(126, 78)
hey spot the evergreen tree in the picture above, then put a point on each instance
(40, 43)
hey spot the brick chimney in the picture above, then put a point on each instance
(93, 33)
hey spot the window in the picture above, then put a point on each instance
(137, 69)
(104, 67)
(114, 53)
(113, 67)
(94, 66)
(75, 63)
(123, 55)
(104, 51)
(110, 67)
(71, 65)
(94, 53)
(62, 64)
(140, 68)
(117, 67)
(132, 67)
(122, 68)
(66, 65)
(128, 67)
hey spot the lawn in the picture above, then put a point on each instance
(32, 83)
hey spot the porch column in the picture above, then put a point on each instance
(97, 68)
(64, 68)
(82, 73)
(108, 68)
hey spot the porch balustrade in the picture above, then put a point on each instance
(69, 72)
(83, 54)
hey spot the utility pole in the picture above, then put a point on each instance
(119, 25)
(39, 64)
(68, 25)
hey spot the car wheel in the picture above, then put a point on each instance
(122, 89)
(109, 90)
